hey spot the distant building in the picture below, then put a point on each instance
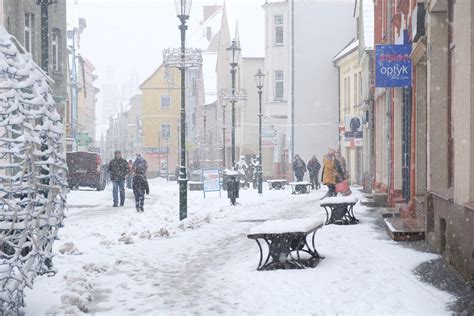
(302, 38)
(87, 98)
(161, 121)
(354, 63)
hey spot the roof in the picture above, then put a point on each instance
(250, 18)
(204, 26)
(351, 47)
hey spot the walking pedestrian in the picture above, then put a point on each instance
(299, 168)
(342, 162)
(330, 172)
(140, 164)
(242, 168)
(118, 169)
(313, 168)
(140, 187)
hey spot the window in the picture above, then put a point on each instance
(165, 101)
(278, 29)
(356, 99)
(345, 94)
(29, 23)
(55, 48)
(279, 88)
(165, 131)
(348, 92)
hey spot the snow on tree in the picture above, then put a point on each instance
(32, 173)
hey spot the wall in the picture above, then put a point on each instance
(321, 29)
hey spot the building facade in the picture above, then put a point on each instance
(276, 92)
(22, 19)
(87, 98)
(300, 102)
(161, 106)
(424, 143)
(351, 141)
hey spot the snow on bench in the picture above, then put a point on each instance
(281, 226)
(287, 244)
(300, 187)
(339, 200)
(276, 184)
(340, 209)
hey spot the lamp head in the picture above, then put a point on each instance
(233, 52)
(183, 7)
(260, 79)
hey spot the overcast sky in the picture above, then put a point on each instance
(130, 35)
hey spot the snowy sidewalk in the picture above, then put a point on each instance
(150, 263)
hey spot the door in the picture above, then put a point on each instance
(406, 143)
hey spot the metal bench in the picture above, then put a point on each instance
(287, 243)
(195, 186)
(276, 184)
(340, 210)
(303, 187)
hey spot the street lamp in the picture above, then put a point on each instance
(233, 52)
(259, 79)
(182, 58)
(224, 104)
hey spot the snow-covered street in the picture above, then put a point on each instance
(115, 261)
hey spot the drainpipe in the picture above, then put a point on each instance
(292, 153)
(389, 117)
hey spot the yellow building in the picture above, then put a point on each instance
(160, 121)
(351, 113)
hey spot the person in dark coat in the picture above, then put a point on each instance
(313, 168)
(118, 170)
(140, 187)
(299, 167)
(140, 164)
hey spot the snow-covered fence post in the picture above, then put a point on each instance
(32, 173)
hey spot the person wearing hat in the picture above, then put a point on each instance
(118, 170)
(140, 164)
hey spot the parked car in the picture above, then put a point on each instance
(85, 170)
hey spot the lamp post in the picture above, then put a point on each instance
(234, 54)
(182, 58)
(224, 104)
(183, 7)
(259, 79)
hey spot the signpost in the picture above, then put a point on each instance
(393, 67)
(211, 181)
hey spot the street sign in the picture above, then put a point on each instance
(269, 136)
(393, 67)
(211, 181)
(353, 133)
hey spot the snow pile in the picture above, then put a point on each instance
(79, 296)
(69, 248)
(32, 173)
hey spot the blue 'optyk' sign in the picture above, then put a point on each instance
(392, 66)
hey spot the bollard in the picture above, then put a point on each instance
(233, 187)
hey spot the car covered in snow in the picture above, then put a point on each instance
(85, 170)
